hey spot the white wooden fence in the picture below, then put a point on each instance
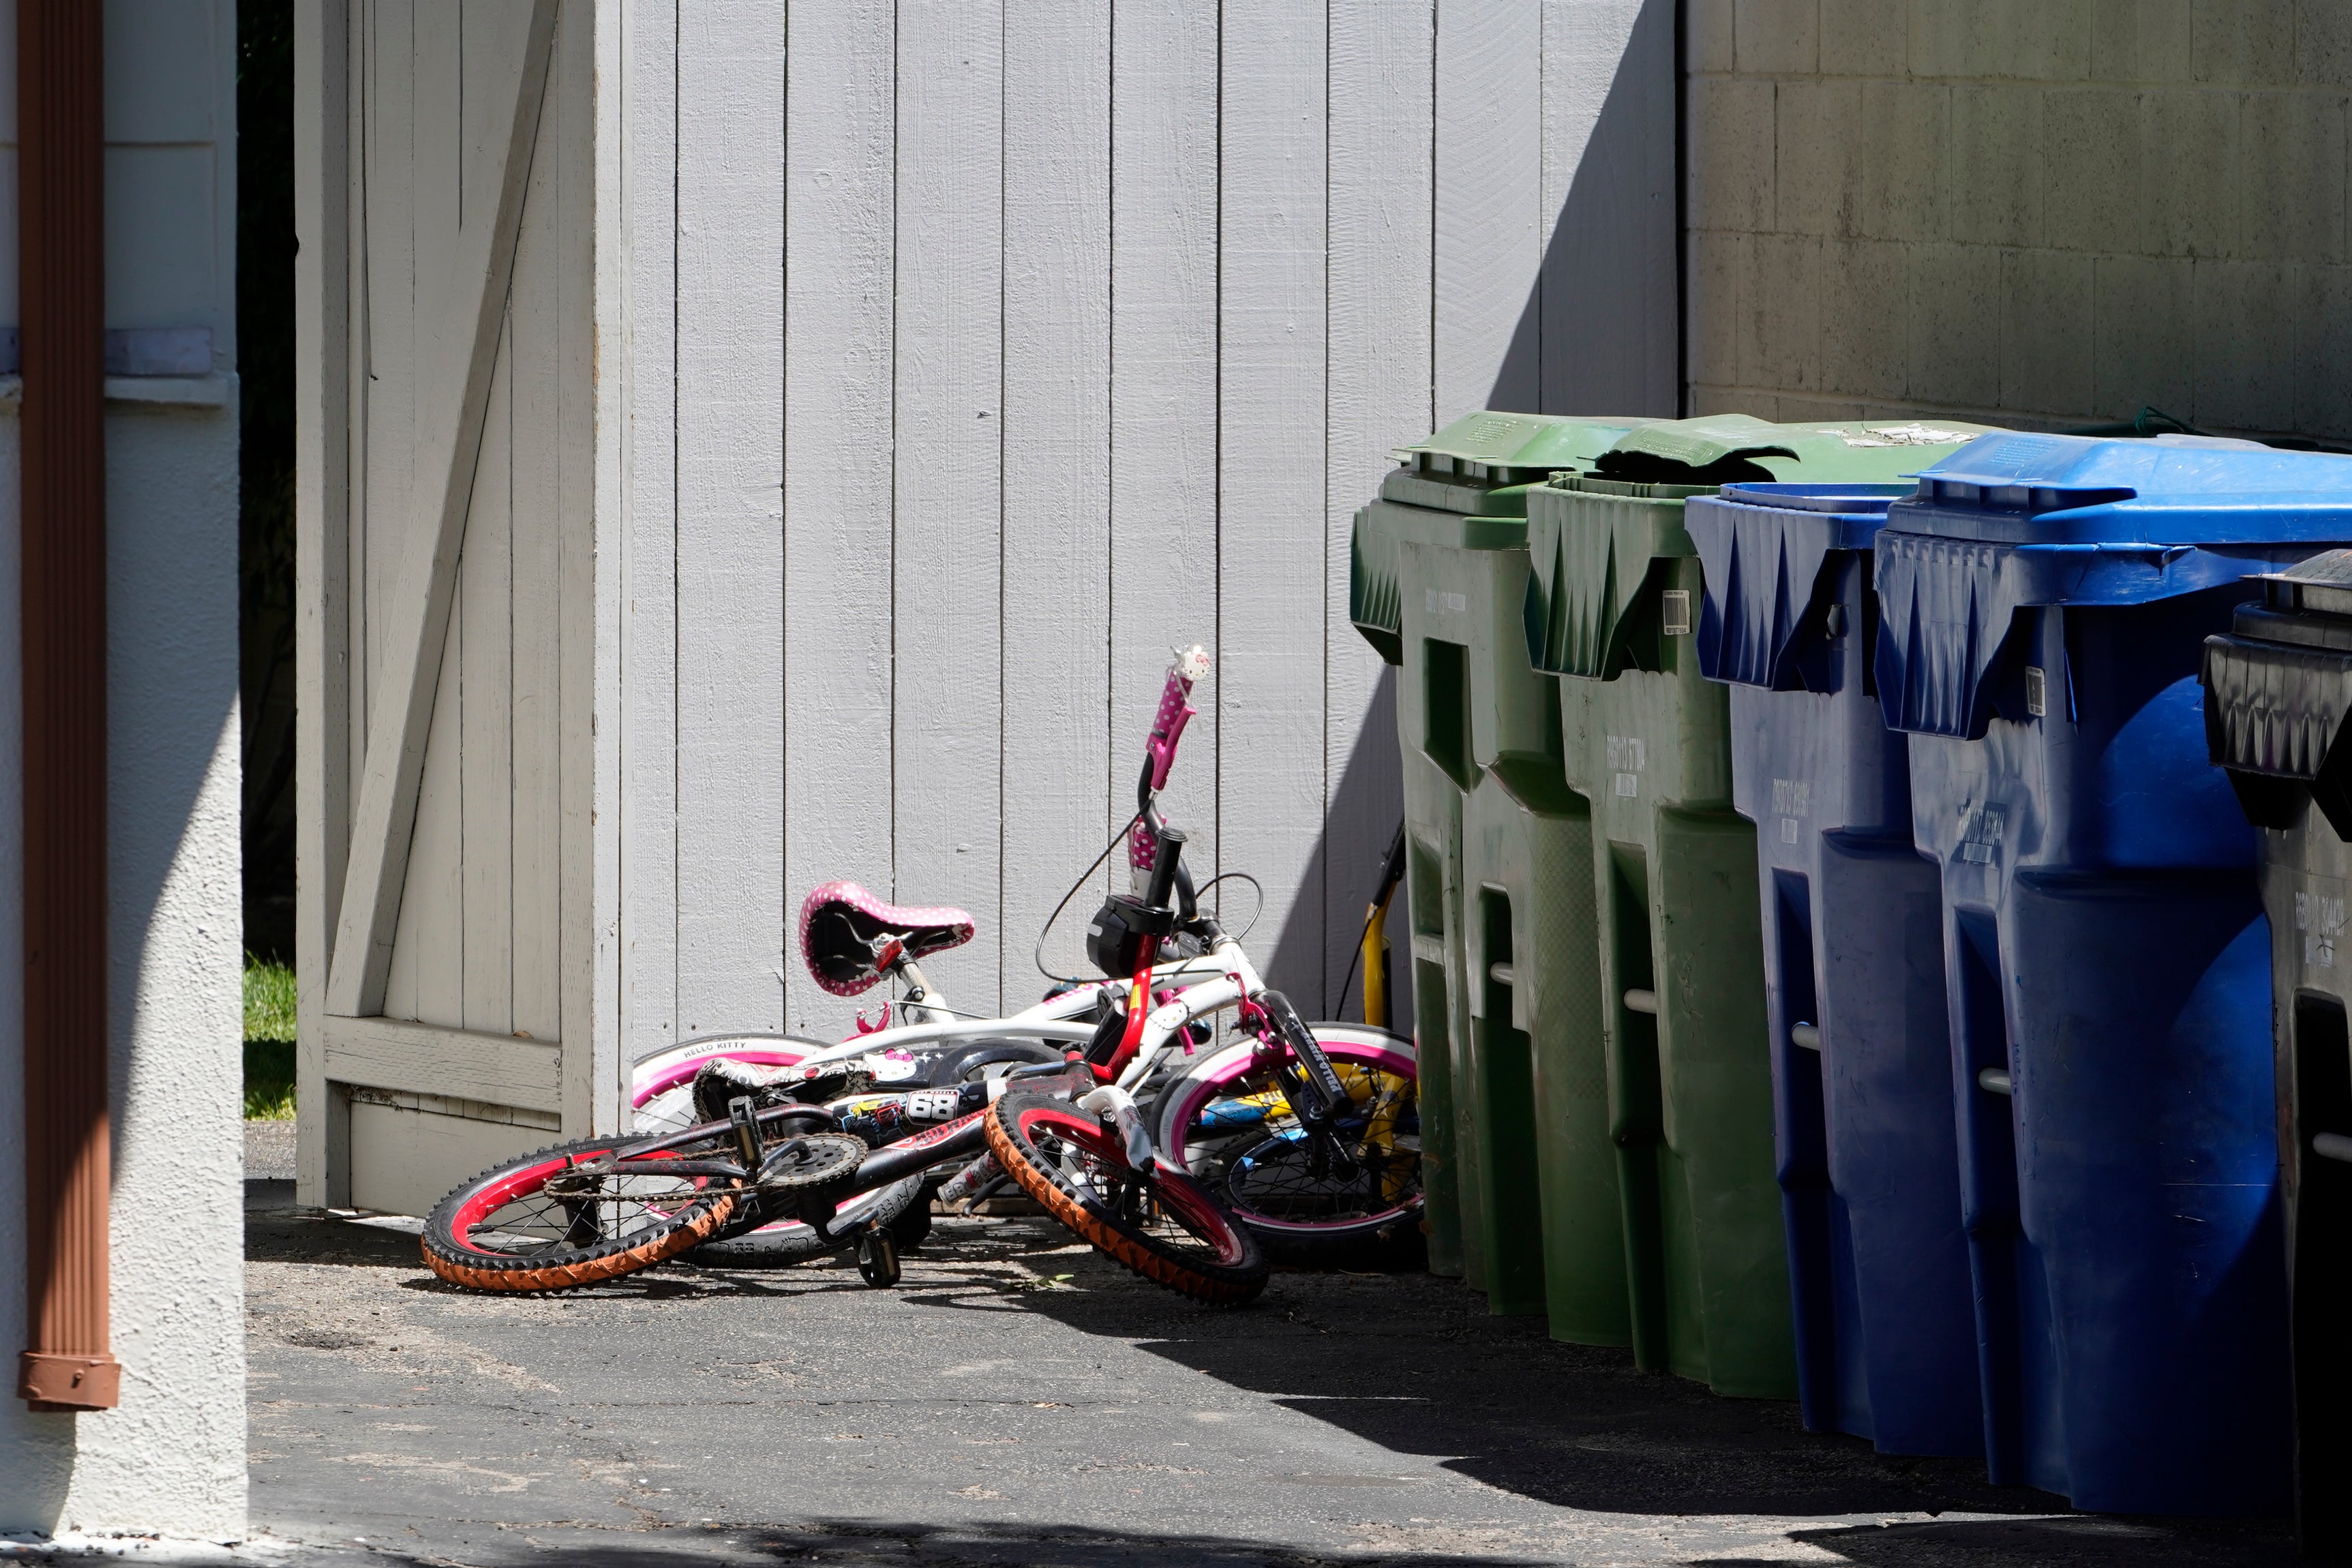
(881, 392)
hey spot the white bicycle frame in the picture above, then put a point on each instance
(1219, 978)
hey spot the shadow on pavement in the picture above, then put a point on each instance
(2064, 1541)
(278, 1232)
(826, 1544)
(1406, 1360)
(1415, 1363)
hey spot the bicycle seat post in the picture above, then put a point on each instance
(921, 1004)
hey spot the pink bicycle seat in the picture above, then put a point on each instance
(850, 937)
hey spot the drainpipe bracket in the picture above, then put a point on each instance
(60, 1380)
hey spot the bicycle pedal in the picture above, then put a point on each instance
(877, 1260)
(743, 1114)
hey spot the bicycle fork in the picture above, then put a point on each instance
(1311, 1085)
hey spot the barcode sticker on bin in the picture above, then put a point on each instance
(1674, 608)
(1981, 836)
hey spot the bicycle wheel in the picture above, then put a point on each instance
(1159, 1222)
(1226, 1121)
(573, 1214)
(661, 1081)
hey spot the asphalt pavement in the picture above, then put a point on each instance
(1019, 1400)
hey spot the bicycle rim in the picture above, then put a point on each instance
(1229, 1125)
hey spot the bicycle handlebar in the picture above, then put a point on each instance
(1176, 711)
(1167, 857)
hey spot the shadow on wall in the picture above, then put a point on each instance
(1601, 329)
(1600, 333)
(40, 1469)
(172, 1065)
(1366, 806)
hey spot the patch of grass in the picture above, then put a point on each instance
(268, 1040)
(268, 1000)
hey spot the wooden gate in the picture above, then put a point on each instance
(445, 567)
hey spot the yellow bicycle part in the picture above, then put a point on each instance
(1380, 1131)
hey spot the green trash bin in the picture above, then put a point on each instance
(1433, 816)
(1613, 589)
(1448, 533)
(1532, 974)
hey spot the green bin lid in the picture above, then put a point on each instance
(1597, 538)
(1478, 468)
(1482, 463)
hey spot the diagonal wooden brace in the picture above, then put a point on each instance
(400, 710)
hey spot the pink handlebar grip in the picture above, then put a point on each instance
(1176, 711)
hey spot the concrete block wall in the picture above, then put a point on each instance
(2032, 212)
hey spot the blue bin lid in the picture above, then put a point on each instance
(1860, 500)
(2013, 488)
(1765, 618)
(2019, 521)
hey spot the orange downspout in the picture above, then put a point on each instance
(61, 261)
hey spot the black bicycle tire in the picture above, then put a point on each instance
(799, 1243)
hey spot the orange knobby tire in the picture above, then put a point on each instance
(1159, 1223)
(504, 1231)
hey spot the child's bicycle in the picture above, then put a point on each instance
(1307, 1137)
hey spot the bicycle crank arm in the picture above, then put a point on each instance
(951, 1141)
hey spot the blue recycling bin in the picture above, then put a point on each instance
(2042, 604)
(1853, 966)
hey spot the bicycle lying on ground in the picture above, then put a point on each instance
(1173, 1162)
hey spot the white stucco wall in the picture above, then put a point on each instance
(170, 1459)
